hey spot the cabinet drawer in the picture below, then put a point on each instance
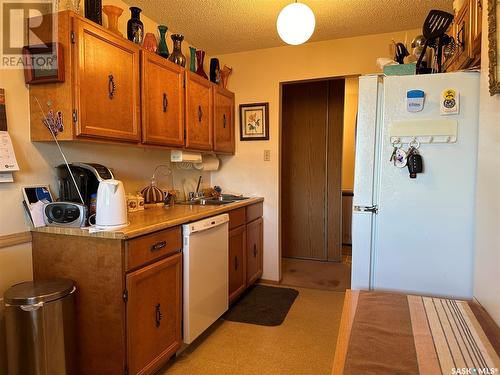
(237, 217)
(153, 246)
(254, 211)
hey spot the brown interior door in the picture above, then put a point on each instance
(199, 113)
(107, 84)
(223, 120)
(237, 262)
(311, 169)
(154, 314)
(303, 172)
(254, 250)
(162, 101)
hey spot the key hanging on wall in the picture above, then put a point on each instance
(415, 162)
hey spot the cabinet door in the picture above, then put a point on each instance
(199, 112)
(223, 120)
(463, 40)
(254, 250)
(154, 314)
(237, 262)
(476, 25)
(162, 101)
(107, 84)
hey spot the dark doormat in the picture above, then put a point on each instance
(263, 305)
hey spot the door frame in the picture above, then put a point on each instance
(280, 154)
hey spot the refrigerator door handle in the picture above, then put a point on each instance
(372, 209)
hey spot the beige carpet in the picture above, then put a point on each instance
(303, 345)
(316, 274)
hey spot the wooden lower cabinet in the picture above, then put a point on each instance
(245, 249)
(237, 262)
(254, 250)
(154, 314)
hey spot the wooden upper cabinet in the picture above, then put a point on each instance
(476, 25)
(162, 95)
(199, 113)
(106, 84)
(254, 250)
(154, 314)
(223, 120)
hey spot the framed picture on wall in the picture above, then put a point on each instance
(254, 122)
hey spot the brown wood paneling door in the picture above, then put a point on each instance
(199, 113)
(107, 84)
(303, 191)
(162, 101)
(336, 92)
(237, 262)
(254, 250)
(312, 117)
(154, 314)
(223, 120)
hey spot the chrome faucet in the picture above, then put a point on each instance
(192, 196)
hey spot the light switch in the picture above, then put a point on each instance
(267, 155)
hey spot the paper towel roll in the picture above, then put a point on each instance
(209, 163)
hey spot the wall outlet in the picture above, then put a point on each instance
(267, 155)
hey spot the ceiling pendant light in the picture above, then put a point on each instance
(295, 23)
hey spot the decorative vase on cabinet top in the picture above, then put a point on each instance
(93, 10)
(177, 57)
(162, 45)
(150, 43)
(113, 13)
(192, 61)
(224, 75)
(214, 70)
(200, 56)
(135, 27)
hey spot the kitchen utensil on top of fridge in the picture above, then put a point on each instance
(435, 26)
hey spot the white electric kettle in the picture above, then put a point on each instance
(111, 205)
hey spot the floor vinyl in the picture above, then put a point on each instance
(303, 345)
(316, 274)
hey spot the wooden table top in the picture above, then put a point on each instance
(154, 219)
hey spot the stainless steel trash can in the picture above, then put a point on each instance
(39, 318)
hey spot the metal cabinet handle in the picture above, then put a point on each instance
(158, 315)
(111, 86)
(159, 245)
(165, 102)
(235, 263)
(254, 250)
(200, 113)
(224, 120)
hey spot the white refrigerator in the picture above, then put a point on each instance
(415, 235)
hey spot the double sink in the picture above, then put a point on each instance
(223, 199)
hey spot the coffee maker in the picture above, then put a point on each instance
(87, 177)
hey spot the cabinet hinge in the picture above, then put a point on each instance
(72, 37)
(75, 116)
(125, 295)
(184, 133)
(125, 371)
(184, 82)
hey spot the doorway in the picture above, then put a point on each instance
(317, 168)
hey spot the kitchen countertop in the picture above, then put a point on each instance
(154, 219)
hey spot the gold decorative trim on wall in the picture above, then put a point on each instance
(493, 47)
(15, 239)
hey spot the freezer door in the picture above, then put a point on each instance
(370, 89)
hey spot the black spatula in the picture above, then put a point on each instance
(435, 25)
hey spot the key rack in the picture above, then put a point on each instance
(423, 131)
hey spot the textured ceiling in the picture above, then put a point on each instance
(224, 26)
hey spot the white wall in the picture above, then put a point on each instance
(487, 256)
(256, 78)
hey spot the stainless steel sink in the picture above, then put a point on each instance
(214, 201)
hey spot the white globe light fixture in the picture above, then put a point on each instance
(295, 23)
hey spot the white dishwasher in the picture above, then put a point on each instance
(205, 274)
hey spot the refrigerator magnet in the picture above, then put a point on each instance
(450, 102)
(415, 100)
